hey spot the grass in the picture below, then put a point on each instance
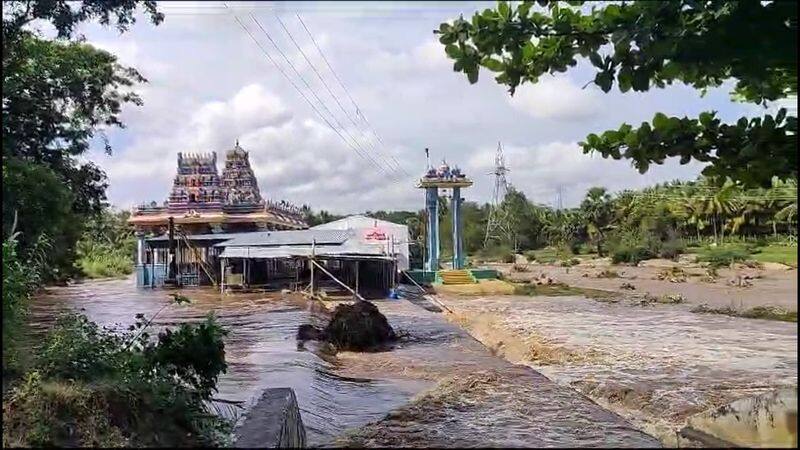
(777, 254)
(758, 312)
(106, 265)
(725, 254)
(549, 255)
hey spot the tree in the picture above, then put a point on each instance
(57, 95)
(598, 211)
(644, 44)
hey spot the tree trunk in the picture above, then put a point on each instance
(714, 224)
(774, 229)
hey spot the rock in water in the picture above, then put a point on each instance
(309, 333)
(358, 327)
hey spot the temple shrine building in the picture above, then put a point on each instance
(202, 201)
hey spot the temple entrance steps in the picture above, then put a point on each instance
(456, 277)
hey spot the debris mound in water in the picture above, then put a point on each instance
(357, 327)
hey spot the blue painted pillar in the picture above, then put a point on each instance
(432, 206)
(458, 245)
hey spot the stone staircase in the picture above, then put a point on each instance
(456, 277)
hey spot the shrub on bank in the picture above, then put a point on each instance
(94, 387)
(672, 249)
(723, 255)
(105, 265)
(496, 253)
(631, 255)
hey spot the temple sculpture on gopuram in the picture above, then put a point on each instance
(202, 202)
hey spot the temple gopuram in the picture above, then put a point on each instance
(202, 202)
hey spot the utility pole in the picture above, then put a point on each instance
(497, 225)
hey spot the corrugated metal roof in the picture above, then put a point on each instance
(292, 237)
(359, 221)
(198, 237)
(304, 251)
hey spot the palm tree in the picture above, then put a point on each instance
(691, 209)
(598, 211)
(781, 199)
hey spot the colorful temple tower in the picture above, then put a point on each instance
(196, 185)
(446, 178)
(239, 183)
(202, 201)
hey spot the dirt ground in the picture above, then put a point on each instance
(742, 287)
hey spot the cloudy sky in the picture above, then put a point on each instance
(210, 84)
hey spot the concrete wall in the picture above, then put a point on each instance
(273, 422)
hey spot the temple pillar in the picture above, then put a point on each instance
(432, 206)
(458, 248)
(139, 248)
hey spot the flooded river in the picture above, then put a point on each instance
(437, 387)
(261, 349)
(655, 365)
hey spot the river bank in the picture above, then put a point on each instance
(655, 365)
(741, 287)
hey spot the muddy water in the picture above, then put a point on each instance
(261, 349)
(654, 365)
(443, 387)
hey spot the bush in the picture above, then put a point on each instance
(92, 386)
(570, 262)
(723, 256)
(672, 249)
(631, 255)
(105, 265)
(499, 253)
(20, 279)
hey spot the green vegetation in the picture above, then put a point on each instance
(560, 289)
(82, 385)
(92, 387)
(644, 44)
(56, 95)
(107, 247)
(758, 312)
(661, 221)
(724, 255)
(20, 278)
(777, 254)
(86, 386)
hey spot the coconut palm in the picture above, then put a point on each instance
(599, 213)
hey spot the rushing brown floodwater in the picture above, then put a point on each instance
(480, 399)
(654, 365)
(261, 350)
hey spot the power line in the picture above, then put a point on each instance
(288, 61)
(335, 98)
(297, 88)
(346, 91)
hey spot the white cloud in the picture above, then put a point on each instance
(556, 98)
(541, 170)
(207, 89)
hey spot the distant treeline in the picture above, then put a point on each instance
(655, 221)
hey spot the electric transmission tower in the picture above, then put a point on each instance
(497, 225)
